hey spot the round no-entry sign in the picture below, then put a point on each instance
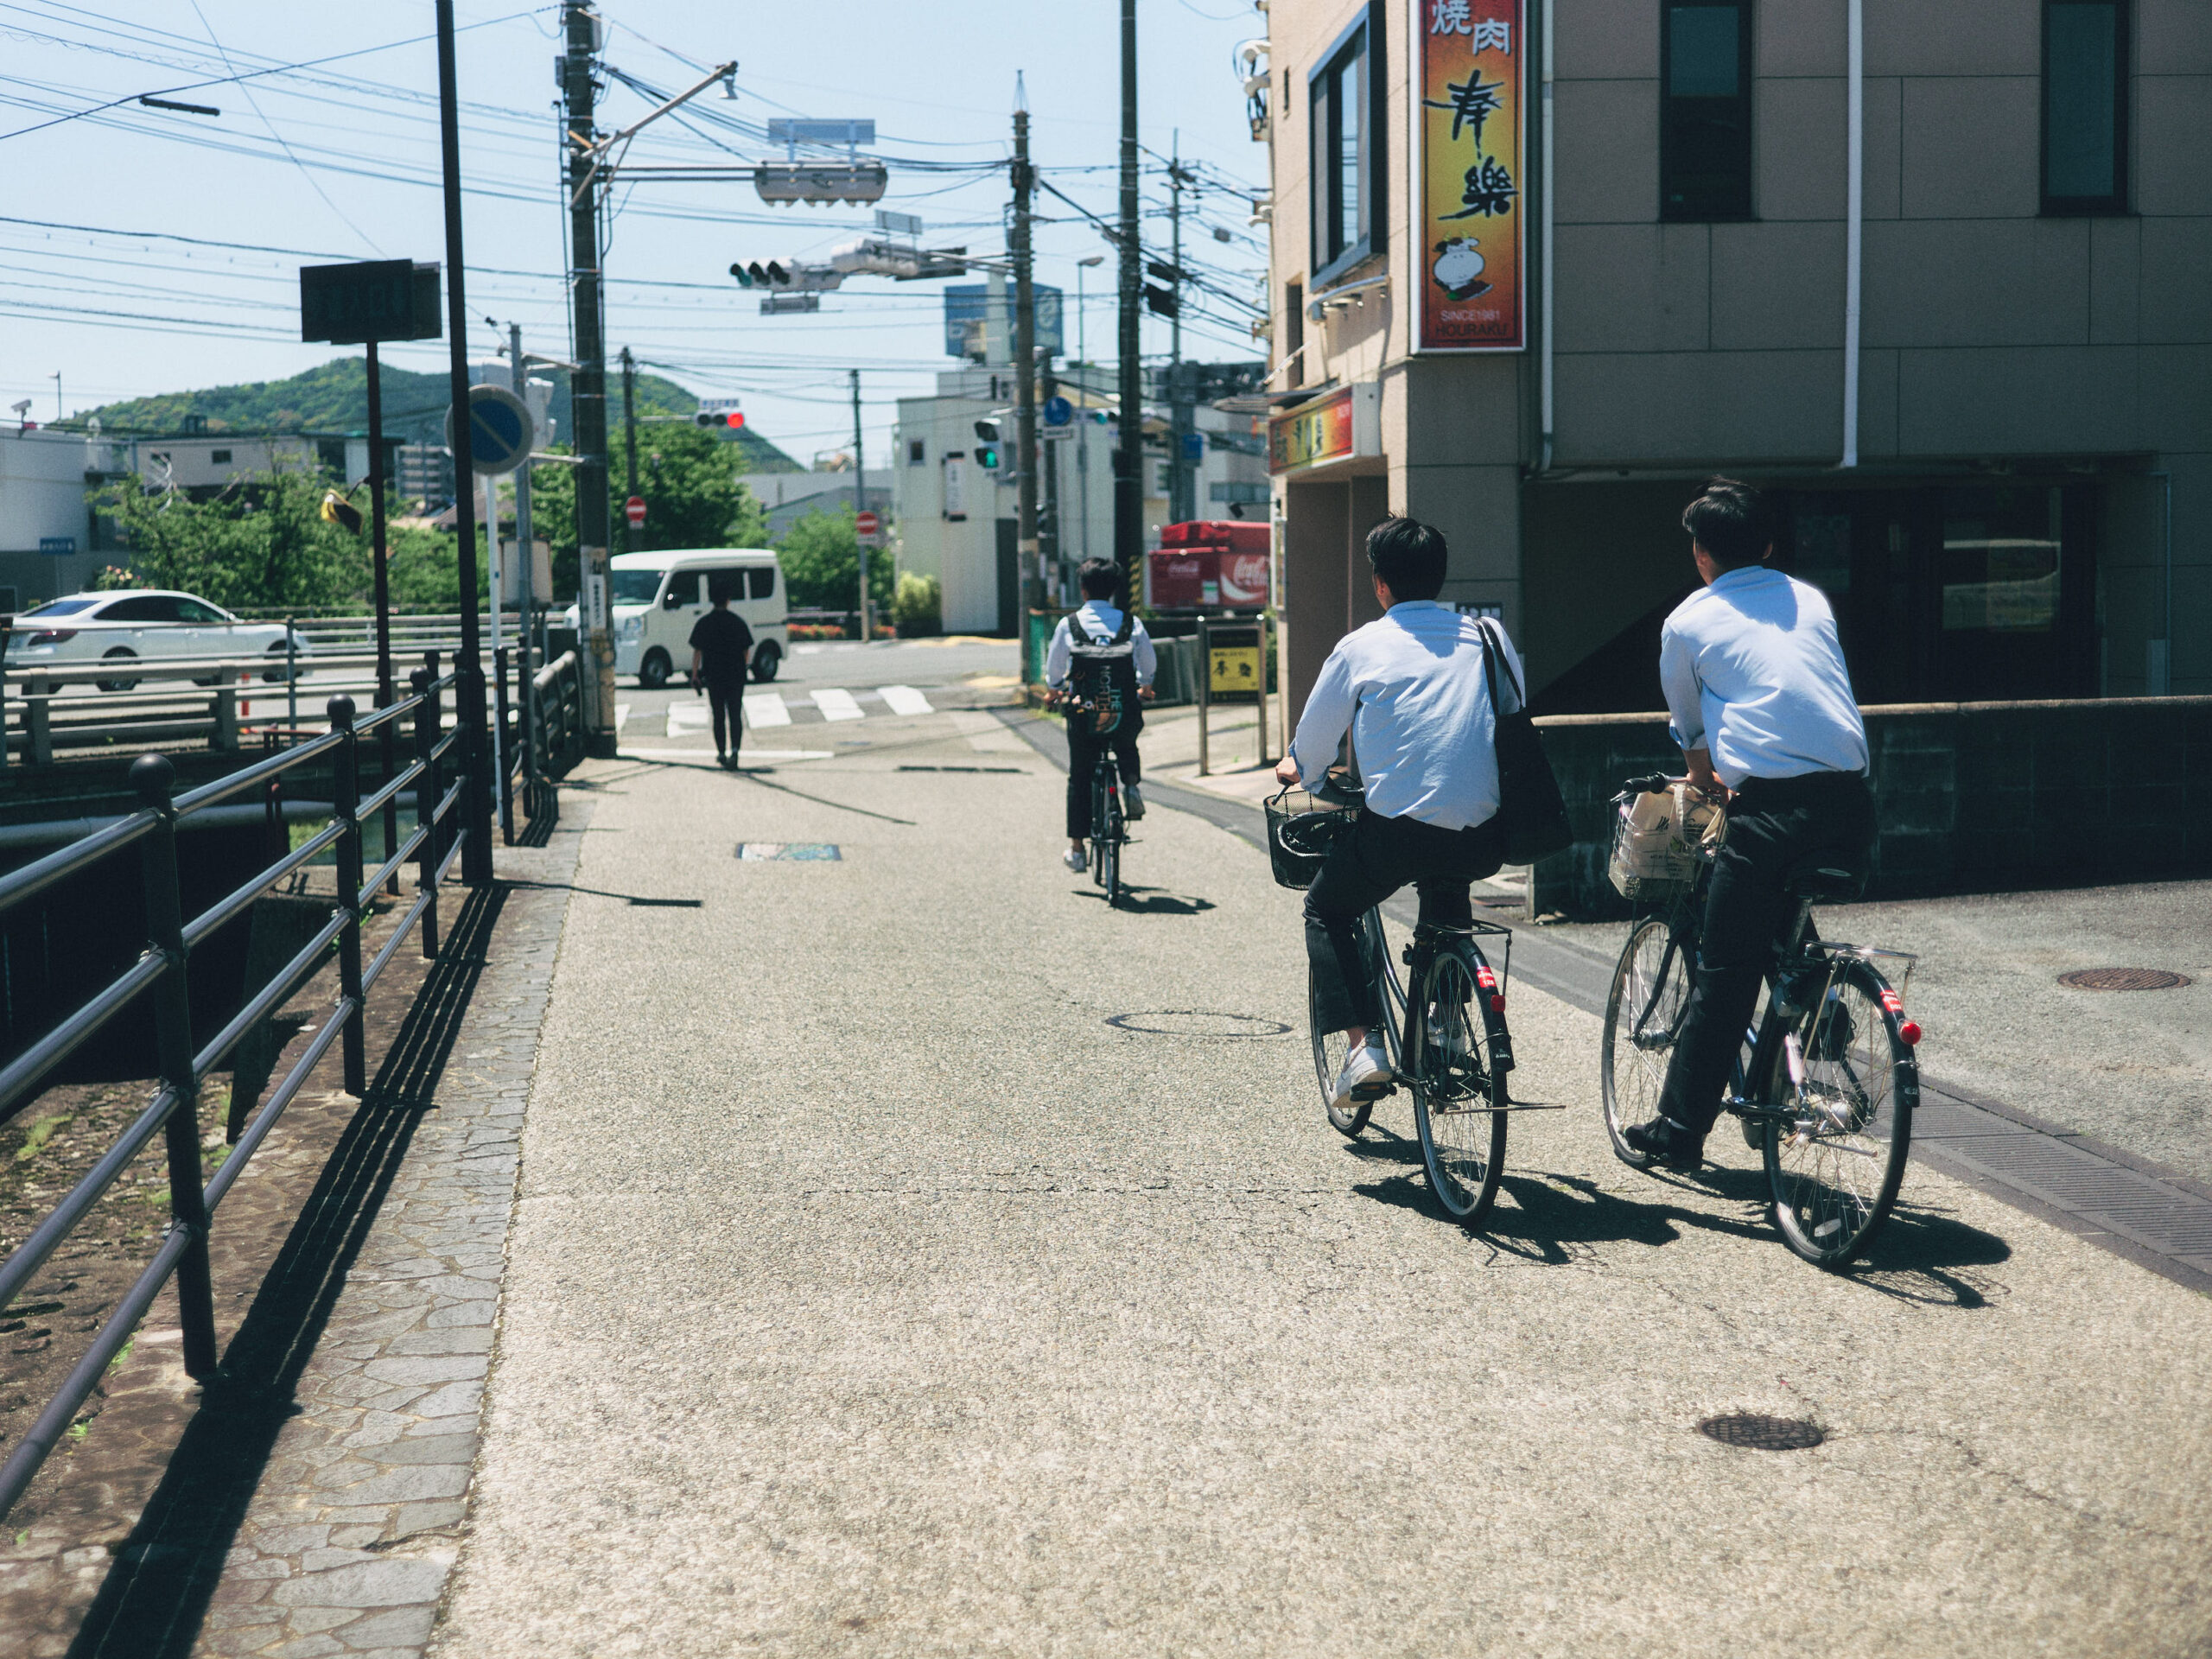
(867, 524)
(634, 509)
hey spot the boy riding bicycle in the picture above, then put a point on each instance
(1412, 690)
(1101, 623)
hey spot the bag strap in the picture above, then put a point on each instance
(1490, 655)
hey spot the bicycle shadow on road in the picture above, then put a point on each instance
(1922, 1254)
(1152, 902)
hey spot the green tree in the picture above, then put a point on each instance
(820, 555)
(262, 542)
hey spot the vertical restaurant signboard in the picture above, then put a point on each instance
(1468, 144)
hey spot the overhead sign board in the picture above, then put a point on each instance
(60, 546)
(369, 300)
(1343, 425)
(970, 330)
(501, 430)
(1468, 150)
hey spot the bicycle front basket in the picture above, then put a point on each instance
(1300, 831)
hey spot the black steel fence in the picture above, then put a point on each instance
(437, 777)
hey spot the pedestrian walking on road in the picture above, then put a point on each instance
(721, 648)
(1413, 691)
(1762, 705)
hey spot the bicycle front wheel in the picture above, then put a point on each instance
(1836, 1160)
(1643, 1013)
(1331, 1047)
(1107, 837)
(1457, 1093)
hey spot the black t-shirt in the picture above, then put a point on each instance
(724, 644)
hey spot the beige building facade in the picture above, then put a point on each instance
(2004, 483)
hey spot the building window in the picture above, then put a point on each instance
(1705, 110)
(916, 456)
(1293, 335)
(219, 457)
(1344, 101)
(2084, 106)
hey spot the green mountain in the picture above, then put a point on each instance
(333, 398)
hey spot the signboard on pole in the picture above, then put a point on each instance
(1468, 146)
(369, 300)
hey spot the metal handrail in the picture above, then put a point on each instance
(162, 971)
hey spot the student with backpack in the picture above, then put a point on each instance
(1101, 656)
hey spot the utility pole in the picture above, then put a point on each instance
(526, 584)
(1182, 505)
(1083, 415)
(587, 380)
(630, 441)
(1024, 368)
(1051, 553)
(476, 802)
(1128, 453)
(859, 506)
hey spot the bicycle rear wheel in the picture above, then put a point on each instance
(1642, 1013)
(1330, 1048)
(1456, 1089)
(1834, 1166)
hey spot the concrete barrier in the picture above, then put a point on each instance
(1972, 797)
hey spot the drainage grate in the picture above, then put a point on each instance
(1198, 1022)
(2123, 979)
(1756, 1432)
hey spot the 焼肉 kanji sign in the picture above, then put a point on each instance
(1343, 425)
(1468, 146)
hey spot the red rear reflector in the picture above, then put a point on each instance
(1910, 1032)
(1498, 1002)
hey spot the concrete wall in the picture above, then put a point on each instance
(1971, 796)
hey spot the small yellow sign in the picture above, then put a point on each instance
(1235, 668)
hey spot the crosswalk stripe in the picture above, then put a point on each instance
(838, 705)
(622, 716)
(905, 700)
(765, 708)
(687, 717)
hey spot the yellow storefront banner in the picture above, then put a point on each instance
(1319, 432)
(1468, 144)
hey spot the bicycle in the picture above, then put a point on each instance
(1443, 1027)
(1827, 1083)
(1109, 831)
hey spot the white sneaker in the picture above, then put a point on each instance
(1077, 862)
(1366, 1075)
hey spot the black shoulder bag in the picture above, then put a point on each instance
(1530, 805)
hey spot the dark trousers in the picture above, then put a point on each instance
(1379, 857)
(1083, 750)
(726, 698)
(1774, 823)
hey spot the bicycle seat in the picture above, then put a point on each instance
(1823, 881)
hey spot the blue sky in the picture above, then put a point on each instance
(339, 161)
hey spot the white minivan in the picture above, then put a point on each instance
(655, 598)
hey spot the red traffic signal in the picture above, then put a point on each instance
(736, 417)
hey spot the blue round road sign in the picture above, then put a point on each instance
(501, 432)
(1058, 412)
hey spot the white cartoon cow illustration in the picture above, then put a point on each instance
(1458, 269)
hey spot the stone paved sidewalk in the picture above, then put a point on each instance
(347, 1543)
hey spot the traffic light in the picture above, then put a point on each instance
(758, 275)
(988, 454)
(732, 419)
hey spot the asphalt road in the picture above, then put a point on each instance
(872, 1291)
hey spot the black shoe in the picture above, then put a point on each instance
(1132, 803)
(1667, 1142)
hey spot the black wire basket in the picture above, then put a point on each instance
(1301, 828)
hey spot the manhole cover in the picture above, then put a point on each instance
(1760, 1434)
(1198, 1022)
(806, 852)
(2123, 979)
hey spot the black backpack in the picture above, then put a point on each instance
(1104, 677)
